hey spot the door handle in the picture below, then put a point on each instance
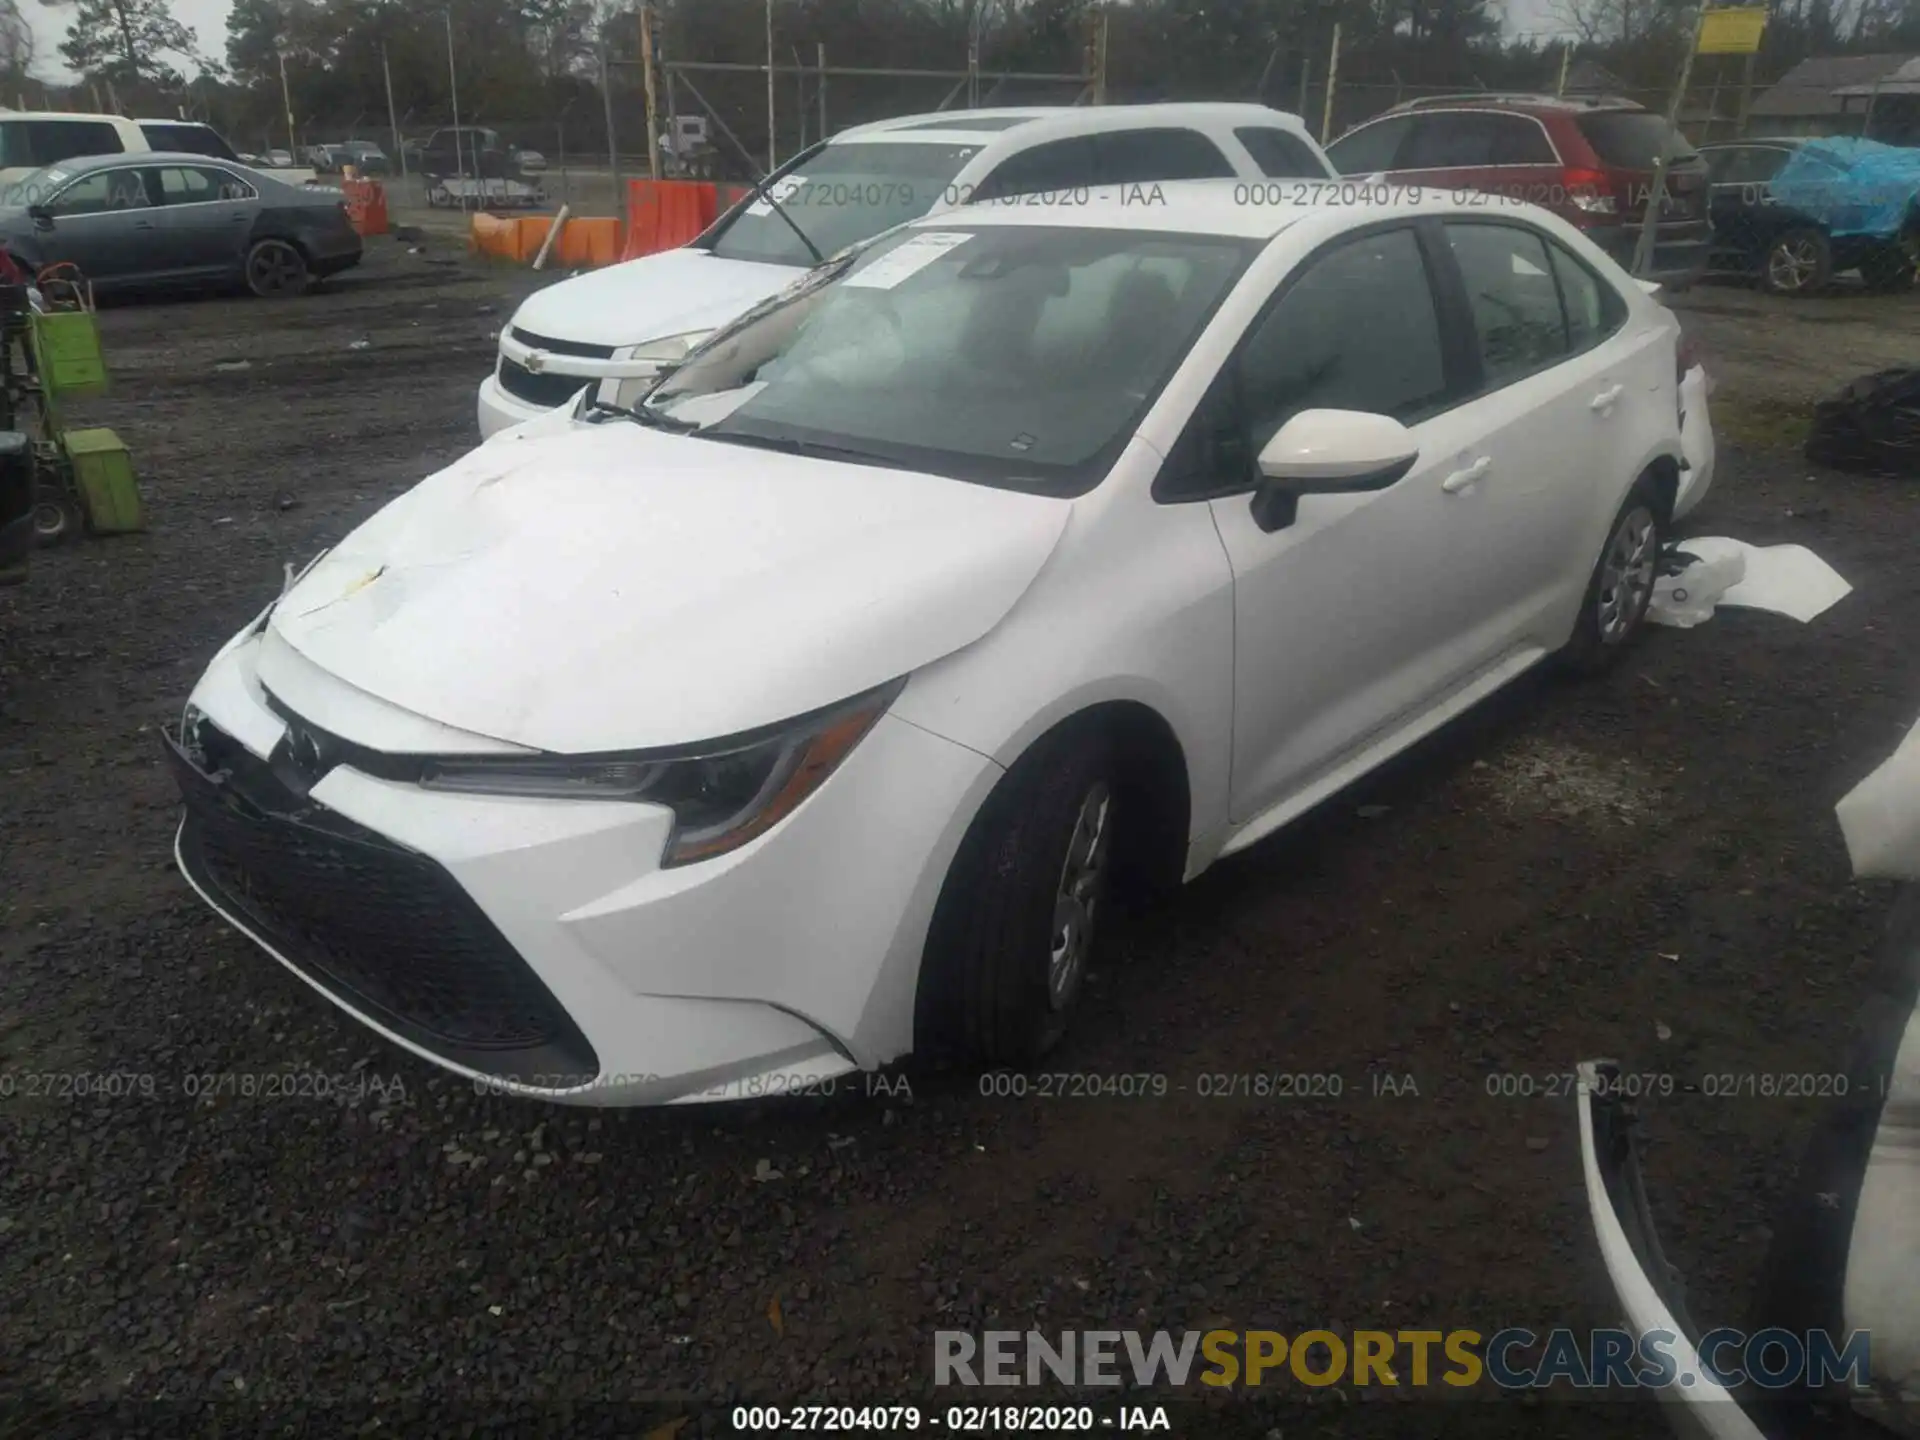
(1465, 479)
(143, 224)
(1603, 402)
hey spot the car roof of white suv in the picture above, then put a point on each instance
(1035, 123)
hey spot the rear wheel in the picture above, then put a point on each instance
(1013, 934)
(276, 269)
(1798, 262)
(1621, 587)
(56, 520)
(1888, 268)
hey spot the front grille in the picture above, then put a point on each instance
(384, 929)
(546, 391)
(562, 347)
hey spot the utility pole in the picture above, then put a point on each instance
(1566, 58)
(1333, 75)
(286, 98)
(820, 60)
(453, 90)
(646, 69)
(772, 158)
(393, 119)
(613, 143)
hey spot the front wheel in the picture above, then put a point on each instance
(276, 269)
(1621, 587)
(1798, 262)
(1013, 934)
(55, 521)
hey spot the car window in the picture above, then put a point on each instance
(1514, 297)
(1593, 308)
(1631, 139)
(1356, 331)
(101, 191)
(1520, 140)
(845, 193)
(1371, 147)
(48, 142)
(1452, 141)
(1279, 154)
(1139, 157)
(200, 185)
(1013, 355)
(187, 140)
(1764, 162)
(1056, 165)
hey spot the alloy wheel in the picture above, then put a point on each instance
(1078, 895)
(1792, 264)
(1627, 573)
(275, 268)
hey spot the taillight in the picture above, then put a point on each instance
(1588, 190)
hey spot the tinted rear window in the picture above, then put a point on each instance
(29, 144)
(1280, 156)
(188, 140)
(1631, 139)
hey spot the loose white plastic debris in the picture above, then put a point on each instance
(1789, 580)
(1880, 817)
(1685, 600)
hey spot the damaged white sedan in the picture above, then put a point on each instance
(805, 715)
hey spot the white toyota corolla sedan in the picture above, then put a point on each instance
(806, 714)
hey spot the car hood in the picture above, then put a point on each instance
(613, 588)
(655, 296)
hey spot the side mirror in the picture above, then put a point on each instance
(41, 216)
(1329, 452)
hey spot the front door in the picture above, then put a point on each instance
(1368, 607)
(104, 222)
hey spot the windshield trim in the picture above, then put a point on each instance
(1059, 481)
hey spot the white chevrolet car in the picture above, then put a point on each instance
(802, 715)
(615, 328)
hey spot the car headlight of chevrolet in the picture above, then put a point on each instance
(722, 794)
(669, 351)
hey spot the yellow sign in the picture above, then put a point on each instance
(1732, 31)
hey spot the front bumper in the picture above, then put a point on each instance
(500, 411)
(537, 947)
(1696, 443)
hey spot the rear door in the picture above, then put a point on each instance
(1565, 390)
(206, 219)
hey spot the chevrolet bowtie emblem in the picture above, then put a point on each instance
(536, 361)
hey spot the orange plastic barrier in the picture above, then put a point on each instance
(584, 241)
(494, 235)
(366, 206)
(588, 241)
(663, 214)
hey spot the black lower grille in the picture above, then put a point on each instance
(547, 391)
(385, 929)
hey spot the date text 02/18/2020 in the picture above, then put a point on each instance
(953, 1420)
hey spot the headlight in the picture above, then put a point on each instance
(722, 795)
(669, 351)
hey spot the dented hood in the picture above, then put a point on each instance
(614, 588)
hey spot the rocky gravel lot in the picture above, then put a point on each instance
(1645, 867)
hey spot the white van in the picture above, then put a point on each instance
(619, 325)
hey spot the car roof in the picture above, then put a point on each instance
(163, 120)
(64, 115)
(1208, 207)
(83, 164)
(1523, 103)
(1027, 120)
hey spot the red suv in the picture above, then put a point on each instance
(1589, 161)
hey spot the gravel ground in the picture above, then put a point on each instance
(1645, 867)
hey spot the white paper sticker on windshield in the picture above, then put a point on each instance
(907, 259)
(781, 193)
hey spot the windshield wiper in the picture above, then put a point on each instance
(788, 445)
(642, 415)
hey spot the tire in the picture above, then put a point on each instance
(1888, 269)
(1614, 607)
(56, 521)
(277, 270)
(1007, 953)
(1797, 262)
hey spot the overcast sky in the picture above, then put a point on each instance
(208, 19)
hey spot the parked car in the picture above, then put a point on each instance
(1028, 548)
(30, 141)
(365, 156)
(530, 161)
(470, 151)
(176, 219)
(279, 159)
(1589, 161)
(1789, 250)
(620, 324)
